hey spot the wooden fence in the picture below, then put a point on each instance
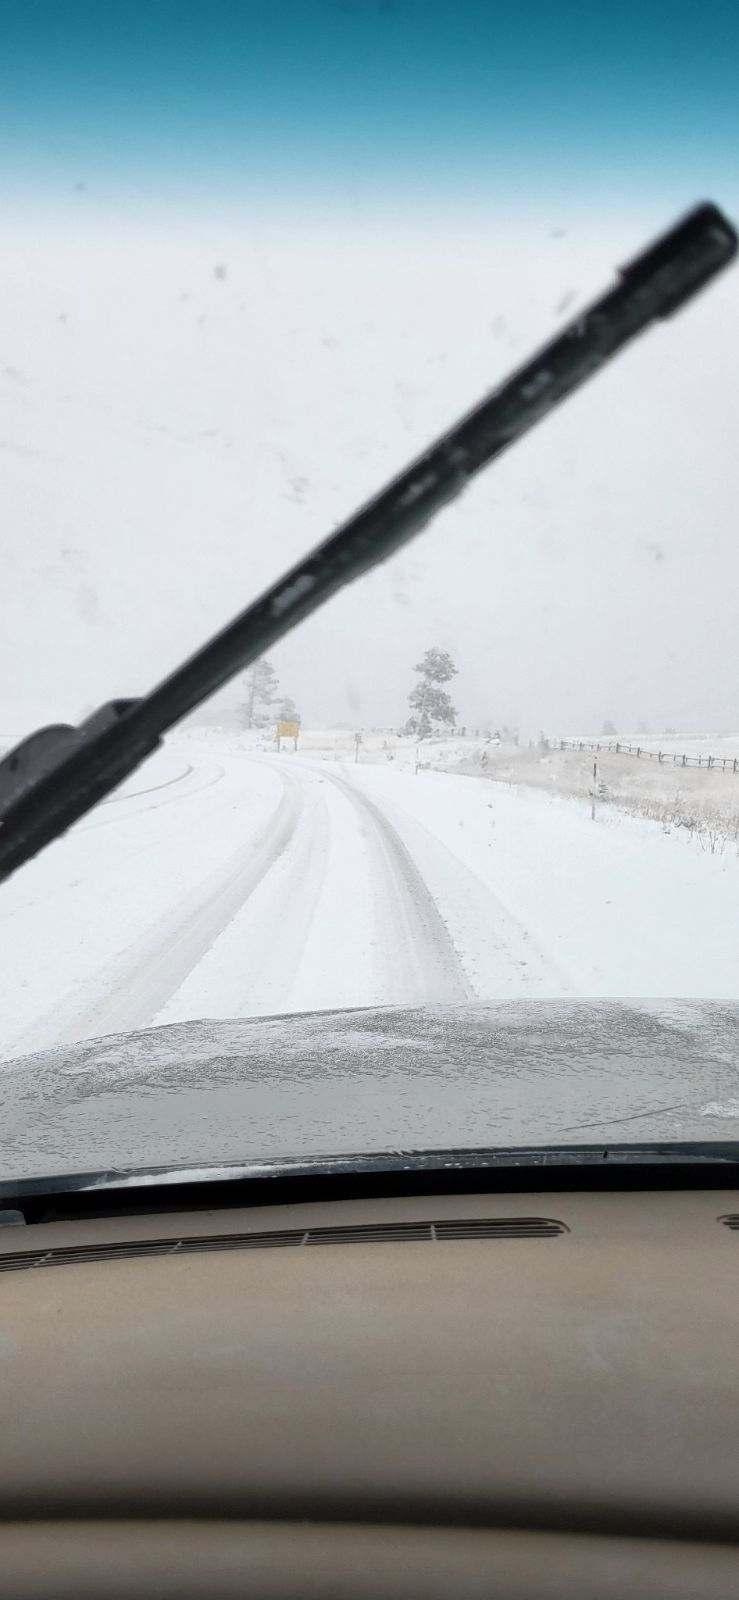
(666, 757)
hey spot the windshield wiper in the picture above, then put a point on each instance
(57, 774)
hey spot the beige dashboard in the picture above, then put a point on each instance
(531, 1411)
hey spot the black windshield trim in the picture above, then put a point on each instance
(546, 1168)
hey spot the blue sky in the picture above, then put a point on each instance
(365, 100)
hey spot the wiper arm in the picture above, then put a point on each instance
(57, 774)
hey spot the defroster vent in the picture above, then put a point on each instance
(450, 1231)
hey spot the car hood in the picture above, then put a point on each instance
(385, 1079)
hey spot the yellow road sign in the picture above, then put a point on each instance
(288, 730)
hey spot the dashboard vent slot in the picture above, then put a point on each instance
(499, 1228)
(731, 1220)
(372, 1233)
(449, 1231)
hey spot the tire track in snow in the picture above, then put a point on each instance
(203, 779)
(133, 794)
(343, 919)
(292, 909)
(422, 960)
(501, 956)
(206, 779)
(138, 984)
(251, 968)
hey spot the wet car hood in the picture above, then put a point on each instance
(501, 1074)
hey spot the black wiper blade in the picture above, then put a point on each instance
(57, 774)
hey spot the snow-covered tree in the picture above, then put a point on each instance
(431, 707)
(608, 730)
(287, 710)
(261, 693)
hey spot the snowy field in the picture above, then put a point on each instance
(702, 801)
(224, 880)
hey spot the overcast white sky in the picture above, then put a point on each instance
(171, 440)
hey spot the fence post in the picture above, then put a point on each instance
(595, 788)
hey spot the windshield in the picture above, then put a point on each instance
(454, 861)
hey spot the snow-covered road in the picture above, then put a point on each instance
(227, 883)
